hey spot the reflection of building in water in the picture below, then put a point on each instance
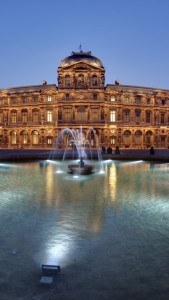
(129, 116)
(111, 178)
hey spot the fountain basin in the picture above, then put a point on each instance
(85, 170)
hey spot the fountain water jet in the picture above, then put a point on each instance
(81, 148)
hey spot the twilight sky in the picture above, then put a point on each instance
(131, 37)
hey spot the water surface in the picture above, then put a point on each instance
(109, 231)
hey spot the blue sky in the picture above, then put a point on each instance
(131, 37)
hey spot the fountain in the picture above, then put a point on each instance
(81, 147)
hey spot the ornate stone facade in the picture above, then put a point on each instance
(128, 116)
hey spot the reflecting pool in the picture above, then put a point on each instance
(108, 231)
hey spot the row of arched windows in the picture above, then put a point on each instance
(23, 138)
(80, 80)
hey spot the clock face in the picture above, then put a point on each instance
(81, 96)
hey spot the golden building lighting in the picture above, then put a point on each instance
(128, 116)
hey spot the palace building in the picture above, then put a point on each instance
(128, 116)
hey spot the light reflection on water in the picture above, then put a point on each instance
(60, 217)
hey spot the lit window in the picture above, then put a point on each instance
(24, 116)
(113, 98)
(13, 139)
(35, 137)
(14, 117)
(49, 98)
(49, 116)
(49, 140)
(35, 116)
(112, 116)
(24, 137)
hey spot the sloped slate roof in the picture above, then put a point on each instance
(29, 89)
(134, 89)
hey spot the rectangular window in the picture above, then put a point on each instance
(24, 100)
(95, 96)
(1, 117)
(138, 114)
(67, 96)
(81, 116)
(35, 116)
(35, 100)
(126, 116)
(14, 101)
(112, 99)
(94, 115)
(67, 115)
(138, 99)
(126, 99)
(24, 117)
(49, 141)
(148, 117)
(49, 98)
(162, 118)
(49, 116)
(14, 120)
(112, 116)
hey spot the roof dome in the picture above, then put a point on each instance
(85, 57)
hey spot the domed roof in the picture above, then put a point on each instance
(85, 57)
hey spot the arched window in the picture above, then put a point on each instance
(24, 137)
(94, 80)
(67, 80)
(138, 135)
(148, 138)
(127, 138)
(13, 138)
(35, 137)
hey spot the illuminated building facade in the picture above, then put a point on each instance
(128, 116)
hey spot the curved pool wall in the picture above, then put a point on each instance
(109, 231)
